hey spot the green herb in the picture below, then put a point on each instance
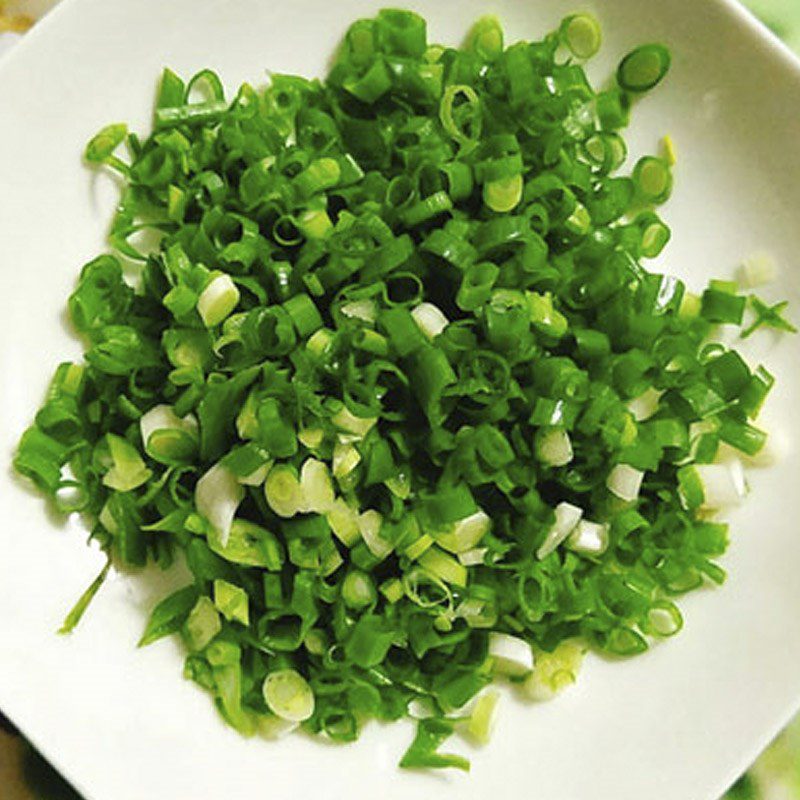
(423, 752)
(768, 316)
(169, 615)
(84, 601)
(395, 384)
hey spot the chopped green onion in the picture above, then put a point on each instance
(663, 619)
(128, 470)
(653, 179)
(723, 306)
(288, 695)
(430, 319)
(419, 546)
(654, 235)
(283, 491)
(392, 590)
(345, 459)
(465, 534)
(645, 405)
(166, 436)
(352, 424)
(567, 517)
(344, 522)
(231, 601)
(511, 655)
(644, 68)
(625, 481)
(217, 300)
(461, 115)
(203, 624)
(473, 557)
(443, 566)
(553, 447)
(589, 538)
(423, 752)
(669, 150)
(369, 526)
(217, 497)
(486, 38)
(358, 589)
(503, 195)
(316, 487)
(394, 383)
(482, 717)
(102, 146)
(581, 35)
(712, 486)
(554, 671)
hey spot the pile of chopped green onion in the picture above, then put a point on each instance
(395, 384)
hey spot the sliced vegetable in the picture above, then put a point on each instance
(385, 370)
(288, 695)
(512, 656)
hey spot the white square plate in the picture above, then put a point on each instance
(678, 723)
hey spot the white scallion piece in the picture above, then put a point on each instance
(471, 558)
(723, 485)
(128, 471)
(590, 538)
(365, 310)
(465, 534)
(567, 517)
(625, 481)
(311, 438)
(288, 695)
(481, 721)
(320, 341)
(257, 476)
(553, 672)
(430, 319)
(369, 526)
(217, 300)
(273, 728)
(316, 642)
(359, 427)
(471, 607)
(282, 491)
(162, 417)
(512, 656)
(316, 487)
(757, 270)
(645, 405)
(554, 447)
(421, 708)
(217, 496)
(345, 459)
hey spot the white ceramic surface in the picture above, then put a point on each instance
(676, 724)
(8, 40)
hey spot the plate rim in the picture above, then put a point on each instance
(745, 19)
